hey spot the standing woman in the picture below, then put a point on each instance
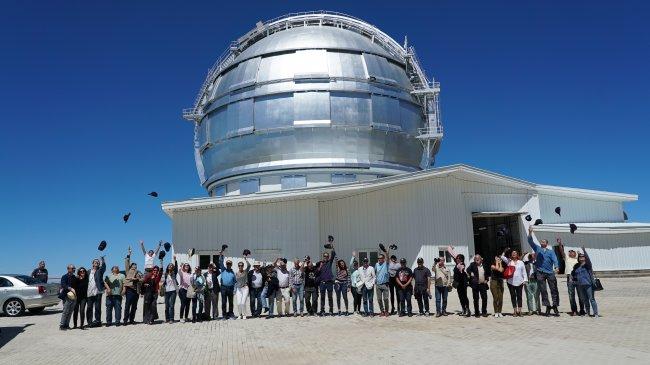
(171, 286)
(354, 286)
(516, 281)
(81, 288)
(496, 286)
(461, 281)
(149, 290)
(478, 280)
(583, 274)
(241, 286)
(341, 284)
(198, 283)
(185, 281)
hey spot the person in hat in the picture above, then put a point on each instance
(256, 280)
(422, 279)
(326, 278)
(355, 284)
(131, 288)
(570, 261)
(382, 283)
(393, 266)
(68, 282)
(228, 281)
(297, 284)
(170, 288)
(149, 256)
(241, 286)
(461, 281)
(197, 281)
(272, 289)
(95, 290)
(366, 283)
(114, 284)
(479, 278)
(341, 285)
(311, 286)
(546, 264)
(285, 289)
(214, 289)
(40, 273)
(149, 289)
(405, 288)
(442, 282)
(584, 276)
(517, 281)
(185, 277)
(81, 292)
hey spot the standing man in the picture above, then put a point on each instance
(256, 279)
(546, 264)
(131, 288)
(443, 283)
(297, 283)
(213, 289)
(393, 266)
(95, 290)
(532, 290)
(326, 278)
(570, 262)
(40, 273)
(284, 294)
(114, 285)
(311, 286)
(227, 287)
(382, 284)
(68, 282)
(367, 281)
(149, 256)
(422, 278)
(405, 288)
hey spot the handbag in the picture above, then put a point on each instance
(596, 284)
(509, 272)
(191, 292)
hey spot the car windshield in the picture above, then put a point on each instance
(28, 279)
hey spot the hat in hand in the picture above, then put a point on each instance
(330, 238)
(307, 258)
(224, 247)
(102, 246)
(381, 247)
(161, 255)
(528, 218)
(393, 247)
(246, 252)
(168, 246)
(190, 252)
(538, 222)
(284, 259)
(573, 228)
(328, 246)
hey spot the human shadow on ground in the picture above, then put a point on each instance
(9, 333)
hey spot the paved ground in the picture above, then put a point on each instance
(621, 335)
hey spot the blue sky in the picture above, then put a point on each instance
(553, 92)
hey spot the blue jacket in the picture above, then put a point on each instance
(67, 281)
(545, 258)
(227, 275)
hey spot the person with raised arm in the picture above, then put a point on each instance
(460, 280)
(496, 285)
(149, 256)
(114, 286)
(95, 290)
(479, 277)
(570, 261)
(326, 278)
(546, 264)
(285, 290)
(213, 291)
(170, 284)
(532, 290)
(516, 281)
(584, 276)
(131, 288)
(228, 282)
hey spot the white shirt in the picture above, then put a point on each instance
(92, 286)
(170, 283)
(519, 276)
(257, 279)
(148, 261)
(208, 280)
(283, 278)
(569, 263)
(367, 277)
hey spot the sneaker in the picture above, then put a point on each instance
(243, 317)
(427, 313)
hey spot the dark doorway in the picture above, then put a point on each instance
(494, 232)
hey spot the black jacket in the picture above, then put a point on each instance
(273, 286)
(472, 271)
(216, 288)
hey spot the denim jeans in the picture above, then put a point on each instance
(326, 286)
(227, 297)
(383, 291)
(405, 299)
(94, 303)
(68, 308)
(265, 300)
(587, 294)
(422, 298)
(131, 305)
(113, 303)
(298, 297)
(542, 279)
(271, 301)
(572, 288)
(256, 301)
(515, 295)
(170, 302)
(441, 299)
(368, 299)
(197, 301)
(532, 296)
(341, 289)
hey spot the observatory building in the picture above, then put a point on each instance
(319, 123)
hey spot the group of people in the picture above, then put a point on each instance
(300, 286)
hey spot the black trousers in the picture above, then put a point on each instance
(542, 279)
(392, 286)
(516, 295)
(422, 297)
(462, 297)
(326, 286)
(311, 299)
(185, 303)
(227, 297)
(356, 297)
(480, 289)
(130, 305)
(94, 303)
(80, 311)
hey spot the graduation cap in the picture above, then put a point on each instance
(624, 216)
(190, 252)
(307, 258)
(381, 247)
(330, 238)
(161, 255)
(284, 259)
(573, 228)
(538, 222)
(528, 218)
(328, 246)
(126, 217)
(247, 252)
(102, 246)
(168, 246)
(558, 210)
(224, 247)
(393, 247)
(153, 193)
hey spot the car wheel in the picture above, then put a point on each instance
(38, 310)
(14, 307)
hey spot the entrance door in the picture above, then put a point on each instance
(371, 255)
(492, 234)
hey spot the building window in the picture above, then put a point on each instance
(372, 257)
(205, 260)
(343, 178)
(442, 252)
(293, 182)
(249, 186)
(219, 191)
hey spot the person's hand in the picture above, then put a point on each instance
(72, 290)
(559, 241)
(160, 243)
(141, 242)
(129, 250)
(450, 247)
(530, 229)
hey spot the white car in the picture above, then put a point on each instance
(20, 292)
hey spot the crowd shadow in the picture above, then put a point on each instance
(9, 333)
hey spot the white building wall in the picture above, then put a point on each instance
(580, 210)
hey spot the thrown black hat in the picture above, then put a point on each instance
(528, 218)
(246, 252)
(330, 238)
(381, 247)
(393, 247)
(161, 255)
(328, 246)
(538, 222)
(224, 247)
(153, 193)
(307, 258)
(102, 246)
(190, 252)
(284, 259)
(126, 217)
(558, 210)
(573, 228)
(168, 246)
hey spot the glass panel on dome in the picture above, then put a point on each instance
(379, 69)
(249, 186)
(344, 64)
(293, 182)
(411, 117)
(351, 109)
(218, 125)
(245, 74)
(385, 113)
(276, 67)
(310, 64)
(274, 111)
(240, 118)
(312, 106)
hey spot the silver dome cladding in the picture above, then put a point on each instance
(309, 97)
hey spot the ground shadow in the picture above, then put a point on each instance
(9, 333)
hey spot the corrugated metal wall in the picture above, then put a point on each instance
(579, 210)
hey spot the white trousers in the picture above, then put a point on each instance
(285, 295)
(242, 294)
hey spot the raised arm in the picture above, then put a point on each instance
(175, 266)
(559, 242)
(354, 257)
(127, 260)
(102, 268)
(144, 251)
(248, 264)
(452, 252)
(158, 248)
(531, 242)
(221, 258)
